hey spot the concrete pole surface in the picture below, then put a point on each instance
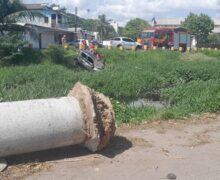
(3, 164)
(84, 117)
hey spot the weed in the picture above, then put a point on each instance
(190, 86)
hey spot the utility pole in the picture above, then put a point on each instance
(76, 19)
(88, 11)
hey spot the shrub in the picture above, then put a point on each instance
(59, 55)
(13, 51)
(9, 47)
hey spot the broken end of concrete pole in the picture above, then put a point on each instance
(98, 116)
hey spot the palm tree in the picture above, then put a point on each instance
(102, 25)
(104, 28)
(10, 11)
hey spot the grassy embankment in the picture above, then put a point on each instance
(191, 86)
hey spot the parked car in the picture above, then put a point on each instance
(106, 43)
(77, 42)
(125, 42)
(97, 43)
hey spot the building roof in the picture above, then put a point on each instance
(177, 22)
(169, 22)
(55, 8)
(35, 6)
(40, 6)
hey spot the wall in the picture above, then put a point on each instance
(33, 41)
(47, 38)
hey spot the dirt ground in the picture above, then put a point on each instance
(188, 148)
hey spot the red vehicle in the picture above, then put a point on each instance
(165, 37)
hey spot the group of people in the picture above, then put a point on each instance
(91, 47)
(91, 44)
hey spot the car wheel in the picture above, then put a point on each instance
(120, 47)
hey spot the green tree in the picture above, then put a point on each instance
(104, 28)
(100, 25)
(134, 26)
(86, 24)
(11, 43)
(8, 13)
(89, 24)
(120, 30)
(200, 26)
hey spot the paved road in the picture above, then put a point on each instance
(190, 149)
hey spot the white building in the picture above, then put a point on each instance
(50, 26)
(216, 30)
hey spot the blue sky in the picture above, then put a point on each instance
(123, 10)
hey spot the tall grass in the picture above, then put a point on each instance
(211, 52)
(190, 86)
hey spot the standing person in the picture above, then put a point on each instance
(92, 45)
(84, 44)
(63, 40)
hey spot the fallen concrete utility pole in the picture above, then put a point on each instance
(83, 117)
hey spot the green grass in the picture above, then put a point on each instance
(211, 52)
(190, 86)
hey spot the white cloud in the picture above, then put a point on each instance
(123, 10)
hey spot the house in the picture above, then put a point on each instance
(49, 25)
(176, 22)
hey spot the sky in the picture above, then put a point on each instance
(122, 11)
